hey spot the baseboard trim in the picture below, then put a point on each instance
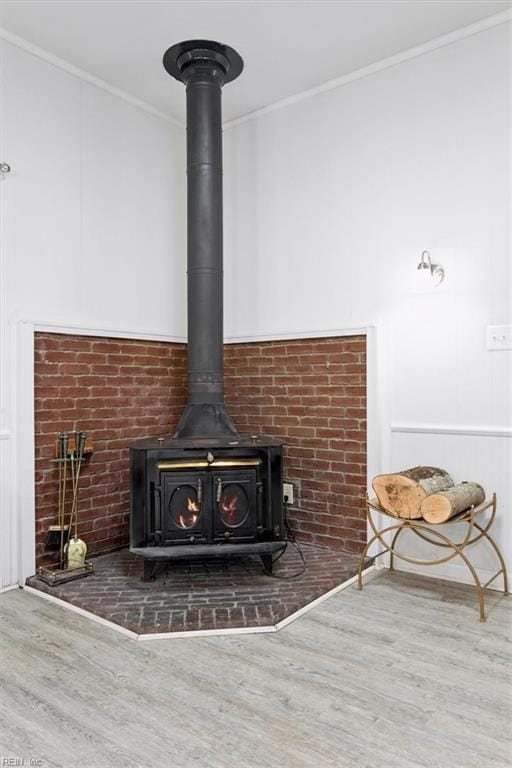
(368, 572)
(9, 588)
(81, 612)
(458, 574)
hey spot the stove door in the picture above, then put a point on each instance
(235, 516)
(185, 501)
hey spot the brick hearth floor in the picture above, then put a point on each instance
(193, 595)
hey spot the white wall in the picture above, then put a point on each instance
(93, 227)
(330, 202)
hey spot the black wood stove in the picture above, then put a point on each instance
(207, 491)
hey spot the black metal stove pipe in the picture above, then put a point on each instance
(204, 66)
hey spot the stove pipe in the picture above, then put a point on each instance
(204, 67)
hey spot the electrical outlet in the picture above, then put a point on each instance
(288, 491)
(499, 337)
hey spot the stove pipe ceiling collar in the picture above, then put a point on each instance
(204, 66)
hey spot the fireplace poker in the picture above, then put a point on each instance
(76, 459)
(72, 460)
(76, 549)
(59, 458)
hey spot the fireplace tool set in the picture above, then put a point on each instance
(72, 550)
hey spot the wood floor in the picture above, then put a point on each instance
(397, 676)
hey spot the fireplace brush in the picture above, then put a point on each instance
(58, 534)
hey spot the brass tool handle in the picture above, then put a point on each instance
(64, 444)
(81, 445)
(61, 446)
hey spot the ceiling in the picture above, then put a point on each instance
(287, 46)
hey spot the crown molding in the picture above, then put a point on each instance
(87, 77)
(411, 53)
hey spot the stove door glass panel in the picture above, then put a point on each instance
(185, 507)
(234, 507)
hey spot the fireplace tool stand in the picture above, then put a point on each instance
(71, 453)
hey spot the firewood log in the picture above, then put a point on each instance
(402, 493)
(439, 507)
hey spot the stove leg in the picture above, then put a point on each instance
(149, 569)
(267, 562)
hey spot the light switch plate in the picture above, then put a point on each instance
(499, 337)
(288, 491)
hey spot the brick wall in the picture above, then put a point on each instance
(311, 393)
(116, 391)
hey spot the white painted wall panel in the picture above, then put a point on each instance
(330, 202)
(93, 228)
(7, 544)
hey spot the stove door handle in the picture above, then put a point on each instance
(219, 489)
(259, 505)
(199, 493)
(156, 522)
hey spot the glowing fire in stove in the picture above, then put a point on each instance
(229, 509)
(188, 518)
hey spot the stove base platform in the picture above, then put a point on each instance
(153, 555)
(193, 596)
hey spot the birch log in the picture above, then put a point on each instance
(402, 493)
(440, 507)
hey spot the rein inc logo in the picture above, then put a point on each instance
(21, 761)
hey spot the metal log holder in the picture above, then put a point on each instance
(428, 532)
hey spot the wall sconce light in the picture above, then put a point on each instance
(436, 271)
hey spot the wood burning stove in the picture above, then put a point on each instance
(207, 491)
(193, 498)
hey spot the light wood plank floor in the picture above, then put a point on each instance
(398, 676)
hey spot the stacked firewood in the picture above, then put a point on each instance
(425, 492)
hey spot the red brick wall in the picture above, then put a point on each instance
(116, 391)
(311, 393)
